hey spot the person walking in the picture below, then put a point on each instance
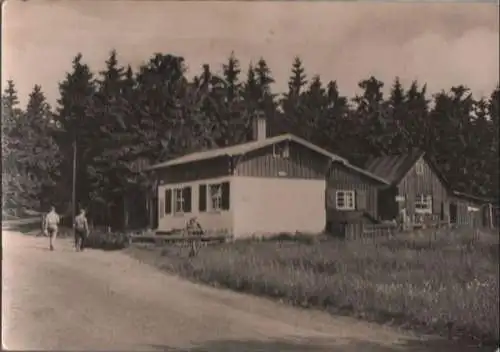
(50, 225)
(81, 230)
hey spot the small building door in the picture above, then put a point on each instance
(453, 212)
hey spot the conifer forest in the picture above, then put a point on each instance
(124, 118)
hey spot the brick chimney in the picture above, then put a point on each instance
(259, 128)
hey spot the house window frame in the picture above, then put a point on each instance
(419, 167)
(349, 203)
(217, 197)
(178, 200)
(281, 150)
(423, 199)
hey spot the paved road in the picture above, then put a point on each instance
(98, 300)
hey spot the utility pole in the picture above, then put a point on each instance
(490, 215)
(73, 201)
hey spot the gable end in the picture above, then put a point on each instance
(284, 159)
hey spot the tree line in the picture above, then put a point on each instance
(121, 120)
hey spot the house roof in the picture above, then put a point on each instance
(393, 167)
(244, 148)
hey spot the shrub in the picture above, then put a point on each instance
(107, 241)
(288, 237)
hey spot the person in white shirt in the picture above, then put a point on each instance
(403, 216)
(51, 224)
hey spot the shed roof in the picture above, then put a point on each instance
(363, 172)
(474, 198)
(393, 167)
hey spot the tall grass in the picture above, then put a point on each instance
(427, 281)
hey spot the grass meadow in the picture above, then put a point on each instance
(444, 281)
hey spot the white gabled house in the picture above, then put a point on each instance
(265, 186)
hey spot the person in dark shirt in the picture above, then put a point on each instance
(81, 230)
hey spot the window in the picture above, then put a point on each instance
(423, 204)
(419, 167)
(281, 150)
(214, 197)
(181, 199)
(344, 200)
(178, 201)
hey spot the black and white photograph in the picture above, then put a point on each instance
(250, 176)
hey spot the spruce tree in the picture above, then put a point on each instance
(77, 124)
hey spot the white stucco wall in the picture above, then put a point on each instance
(210, 221)
(265, 206)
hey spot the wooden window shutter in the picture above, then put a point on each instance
(360, 200)
(186, 194)
(162, 208)
(168, 201)
(331, 198)
(202, 198)
(225, 195)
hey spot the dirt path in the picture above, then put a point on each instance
(98, 300)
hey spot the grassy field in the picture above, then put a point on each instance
(428, 281)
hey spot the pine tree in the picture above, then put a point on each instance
(417, 121)
(77, 124)
(399, 138)
(233, 123)
(264, 79)
(231, 72)
(34, 153)
(103, 171)
(291, 101)
(11, 189)
(252, 97)
(298, 80)
(493, 107)
(372, 116)
(314, 110)
(10, 108)
(450, 122)
(335, 124)
(155, 81)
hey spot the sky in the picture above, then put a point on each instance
(441, 44)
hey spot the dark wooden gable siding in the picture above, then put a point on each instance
(342, 178)
(302, 163)
(199, 170)
(427, 183)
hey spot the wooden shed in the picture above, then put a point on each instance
(417, 188)
(472, 211)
